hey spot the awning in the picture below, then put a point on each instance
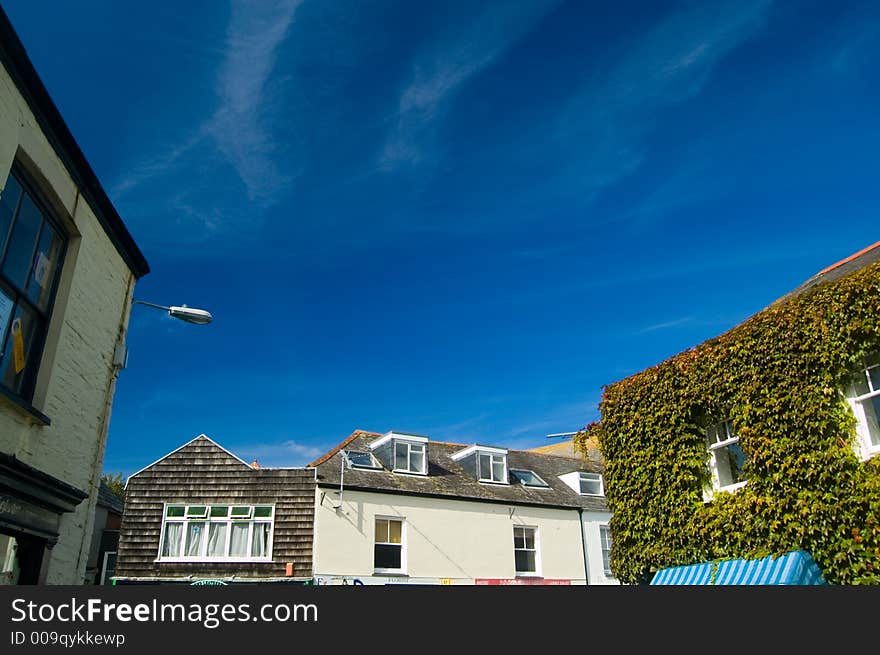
(794, 568)
(691, 574)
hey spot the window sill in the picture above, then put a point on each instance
(213, 560)
(494, 483)
(422, 475)
(867, 452)
(391, 573)
(34, 414)
(709, 494)
(530, 576)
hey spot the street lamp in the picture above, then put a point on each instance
(184, 313)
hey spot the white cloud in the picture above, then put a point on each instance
(441, 70)
(236, 137)
(256, 30)
(283, 454)
(607, 124)
(665, 325)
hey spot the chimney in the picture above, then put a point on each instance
(255, 464)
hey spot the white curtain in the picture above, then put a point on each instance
(195, 533)
(171, 547)
(238, 544)
(260, 547)
(217, 540)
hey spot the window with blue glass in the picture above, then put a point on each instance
(32, 247)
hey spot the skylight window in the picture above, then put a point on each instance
(528, 478)
(361, 460)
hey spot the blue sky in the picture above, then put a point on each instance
(457, 219)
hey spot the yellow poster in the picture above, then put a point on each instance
(17, 345)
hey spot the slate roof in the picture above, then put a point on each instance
(447, 479)
(837, 270)
(108, 499)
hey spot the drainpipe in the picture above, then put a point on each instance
(584, 544)
(98, 457)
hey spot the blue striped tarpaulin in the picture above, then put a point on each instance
(691, 574)
(794, 568)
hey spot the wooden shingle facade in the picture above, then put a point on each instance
(199, 482)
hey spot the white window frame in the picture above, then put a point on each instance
(596, 477)
(492, 460)
(402, 521)
(864, 448)
(713, 447)
(605, 539)
(537, 550)
(409, 448)
(542, 485)
(374, 463)
(202, 555)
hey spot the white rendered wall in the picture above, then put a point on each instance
(450, 540)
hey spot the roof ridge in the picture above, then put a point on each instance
(848, 259)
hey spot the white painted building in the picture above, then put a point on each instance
(401, 509)
(68, 267)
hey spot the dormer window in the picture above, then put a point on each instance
(409, 457)
(485, 463)
(402, 453)
(584, 483)
(591, 484)
(492, 467)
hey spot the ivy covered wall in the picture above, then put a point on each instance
(779, 377)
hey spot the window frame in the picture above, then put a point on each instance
(714, 448)
(24, 393)
(542, 485)
(866, 448)
(480, 454)
(385, 570)
(409, 445)
(606, 536)
(536, 550)
(374, 466)
(228, 520)
(598, 478)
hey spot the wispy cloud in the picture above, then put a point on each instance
(665, 325)
(256, 30)
(588, 143)
(441, 70)
(285, 453)
(609, 122)
(237, 138)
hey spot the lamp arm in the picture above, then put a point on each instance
(149, 304)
